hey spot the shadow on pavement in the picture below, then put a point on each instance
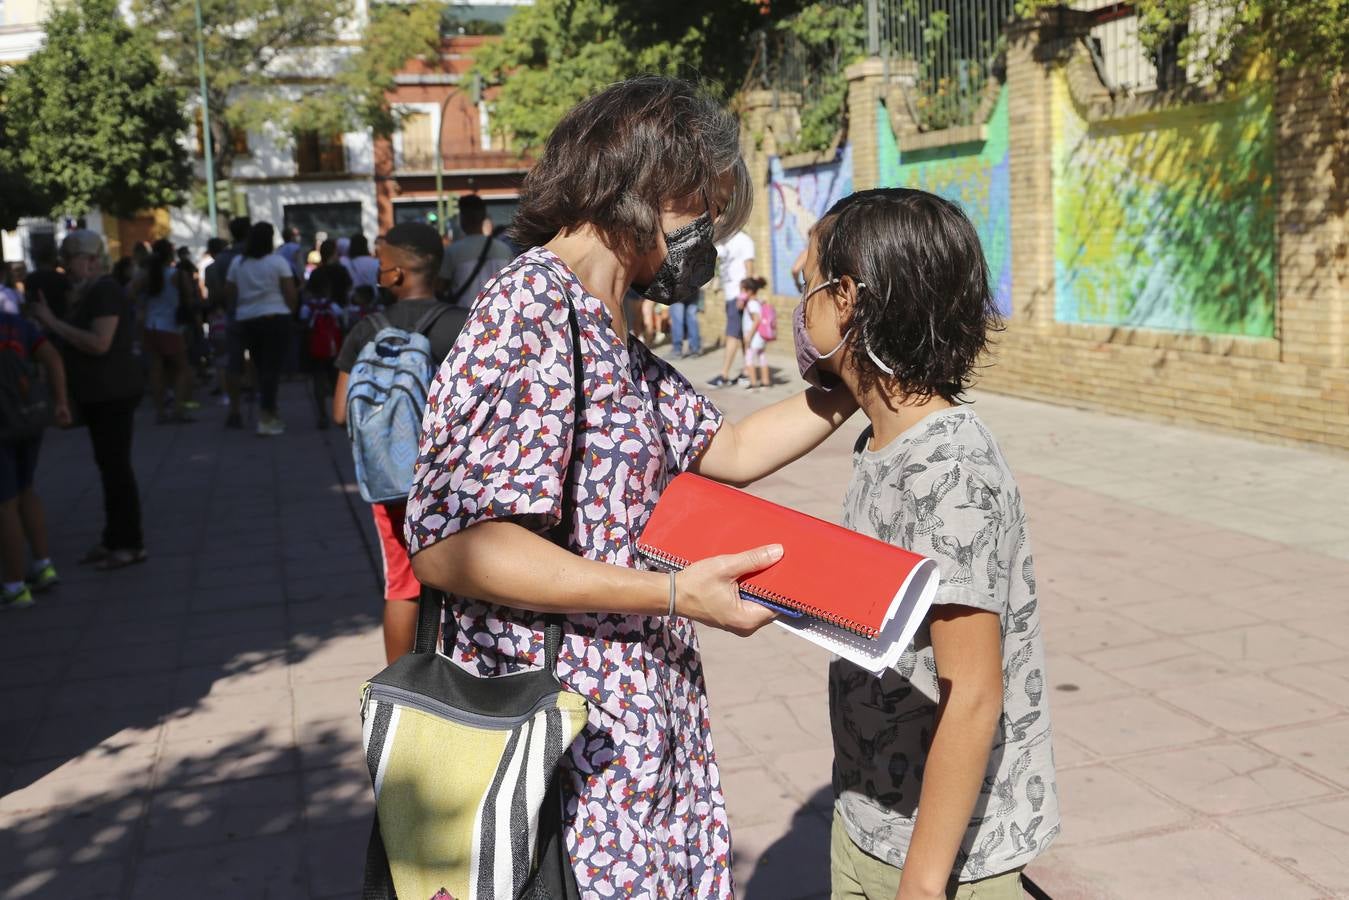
(797, 864)
(190, 726)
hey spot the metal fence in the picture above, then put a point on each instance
(951, 48)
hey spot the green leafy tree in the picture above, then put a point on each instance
(1312, 35)
(89, 119)
(556, 52)
(291, 65)
(19, 197)
(826, 38)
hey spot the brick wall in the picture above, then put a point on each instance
(1293, 386)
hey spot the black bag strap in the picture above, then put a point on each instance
(482, 258)
(432, 602)
(378, 881)
(429, 318)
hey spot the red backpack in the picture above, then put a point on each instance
(325, 334)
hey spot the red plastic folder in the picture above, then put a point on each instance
(849, 593)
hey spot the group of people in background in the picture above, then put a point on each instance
(97, 336)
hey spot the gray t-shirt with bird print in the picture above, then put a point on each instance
(943, 489)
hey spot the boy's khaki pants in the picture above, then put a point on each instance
(857, 875)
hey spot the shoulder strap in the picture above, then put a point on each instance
(379, 322)
(482, 258)
(432, 601)
(429, 318)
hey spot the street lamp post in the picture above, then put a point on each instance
(206, 141)
(442, 205)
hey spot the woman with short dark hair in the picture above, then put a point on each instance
(632, 189)
(261, 287)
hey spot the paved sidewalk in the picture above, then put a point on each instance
(189, 727)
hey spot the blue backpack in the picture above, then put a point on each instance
(385, 400)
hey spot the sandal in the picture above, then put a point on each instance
(120, 559)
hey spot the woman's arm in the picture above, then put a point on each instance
(967, 646)
(94, 342)
(48, 357)
(290, 293)
(504, 563)
(340, 397)
(771, 437)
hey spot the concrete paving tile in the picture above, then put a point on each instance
(1222, 544)
(1128, 725)
(1318, 748)
(101, 773)
(55, 838)
(112, 692)
(106, 660)
(1072, 681)
(197, 761)
(40, 670)
(1224, 778)
(1312, 839)
(1247, 703)
(806, 773)
(773, 863)
(71, 735)
(117, 635)
(266, 713)
(1188, 614)
(191, 684)
(1262, 647)
(228, 870)
(337, 794)
(30, 702)
(1192, 864)
(1069, 754)
(755, 795)
(1082, 632)
(1325, 624)
(222, 813)
(343, 651)
(325, 700)
(98, 881)
(332, 743)
(235, 648)
(252, 620)
(732, 681)
(335, 859)
(1098, 803)
(236, 597)
(1323, 680)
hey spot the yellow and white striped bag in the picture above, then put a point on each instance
(464, 770)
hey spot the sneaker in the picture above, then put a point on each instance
(271, 427)
(234, 420)
(120, 559)
(20, 599)
(43, 579)
(717, 381)
(96, 554)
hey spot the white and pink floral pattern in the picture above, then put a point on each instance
(648, 817)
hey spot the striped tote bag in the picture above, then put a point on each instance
(468, 804)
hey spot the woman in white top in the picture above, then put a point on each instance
(261, 286)
(162, 291)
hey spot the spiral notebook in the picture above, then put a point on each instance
(858, 597)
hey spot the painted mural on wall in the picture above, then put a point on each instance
(973, 175)
(1166, 220)
(797, 198)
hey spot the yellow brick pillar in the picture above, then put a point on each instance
(1031, 178)
(1312, 179)
(866, 86)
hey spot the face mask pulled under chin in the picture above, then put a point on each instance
(690, 261)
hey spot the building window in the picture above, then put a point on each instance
(418, 142)
(317, 154)
(238, 137)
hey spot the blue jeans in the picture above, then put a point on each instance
(685, 315)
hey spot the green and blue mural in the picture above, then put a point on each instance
(1166, 220)
(973, 175)
(797, 198)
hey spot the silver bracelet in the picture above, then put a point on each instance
(671, 610)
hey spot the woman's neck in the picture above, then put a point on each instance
(602, 271)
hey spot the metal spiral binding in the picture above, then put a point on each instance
(670, 561)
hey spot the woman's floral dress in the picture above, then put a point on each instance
(647, 813)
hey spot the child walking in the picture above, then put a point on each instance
(754, 318)
(943, 768)
(23, 525)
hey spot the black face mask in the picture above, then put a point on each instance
(690, 260)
